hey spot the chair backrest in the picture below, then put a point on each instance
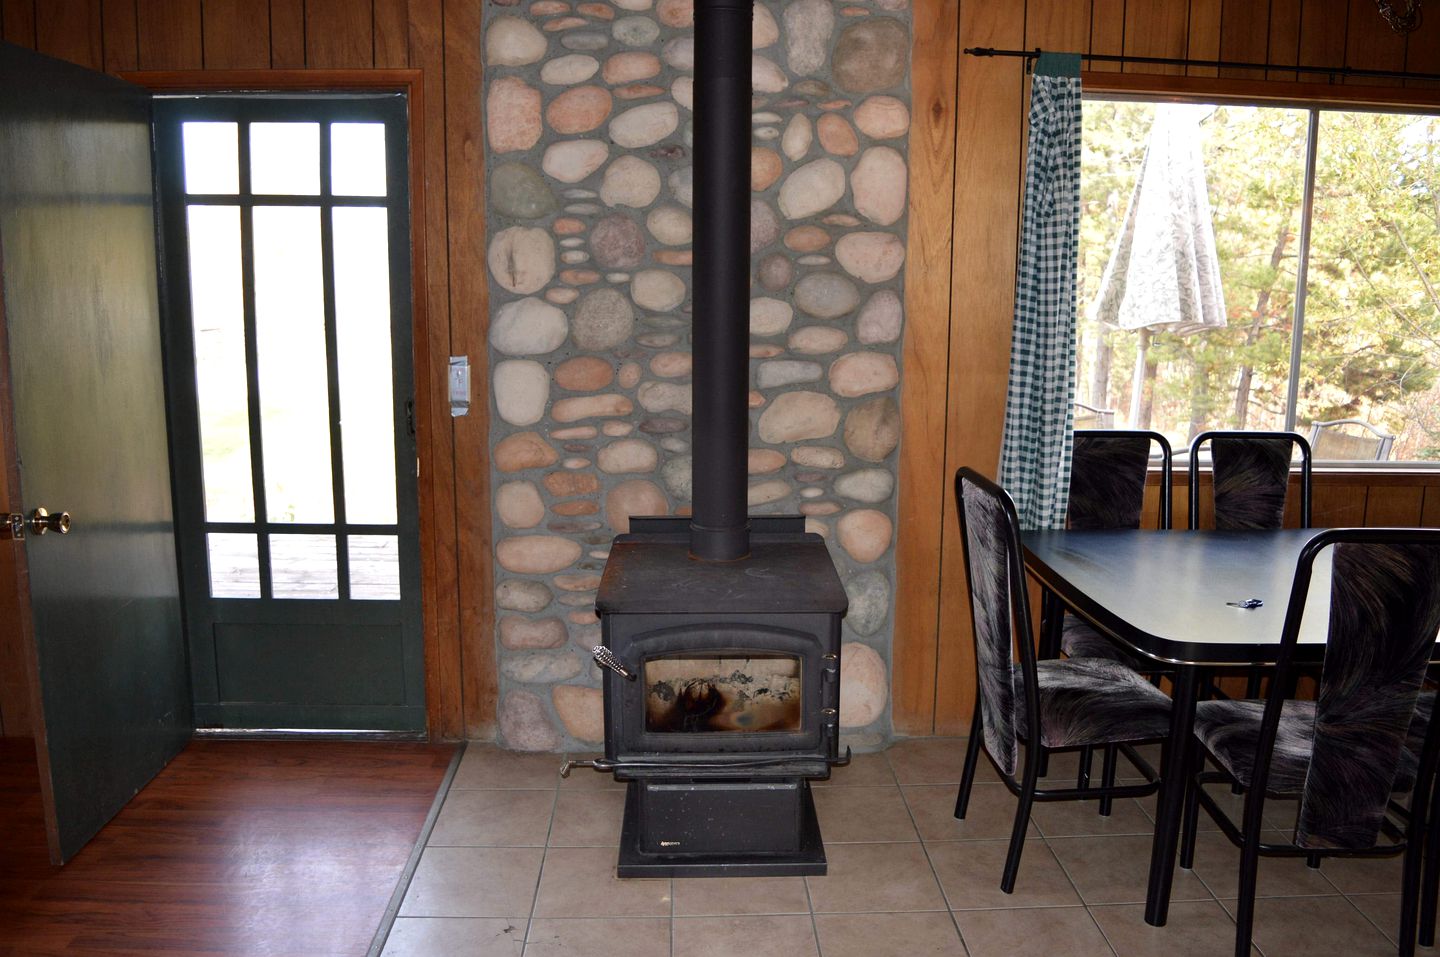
(999, 613)
(1107, 478)
(1331, 440)
(1251, 472)
(1384, 616)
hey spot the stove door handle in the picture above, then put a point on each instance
(606, 658)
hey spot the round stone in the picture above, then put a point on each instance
(669, 365)
(630, 181)
(634, 5)
(811, 189)
(765, 31)
(796, 140)
(682, 185)
(808, 25)
(522, 259)
(573, 160)
(541, 668)
(864, 685)
(522, 594)
(522, 388)
(872, 428)
(590, 406)
(863, 373)
(511, 41)
(523, 450)
(870, 257)
(536, 554)
(603, 319)
(679, 53)
(818, 340)
(524, 725)
(579, 110)
(630, 66)
(777, 373)
(633, 497)
(628, 456)
(882, 117)
(581, 711)
(864, 533)
(866, 485)
(522, 633)
(878, 185)
(676, 13)
(817, 457)
(677, 474)
(519, 504)
(775, 272)
(826, 295)
(512, 115)
(587, 41)
(670, 225)
(764, 227)
(519, 192)
(629, 375)
(763, 493)
(769, 317)
(644, 125)
(807, 239)
(795, 416)
(528, 327)
(871, 55)
(765, 167)
(683, 90)
(881, 318)
(836, 135)
(569, 69)
(765, 76)
(617, 242)
(657, 290)
(564, 484)
(584, 374)
(664, 397)
(764, 461)
(635, 31)
(869, 594)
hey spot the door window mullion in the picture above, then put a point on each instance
(332, 367)
(252, 365)
(1302, 268)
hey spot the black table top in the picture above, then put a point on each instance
(1164, 593)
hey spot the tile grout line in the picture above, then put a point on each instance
(544, 856)
(1045, 842)
(925, 849)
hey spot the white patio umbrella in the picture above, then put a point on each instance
(1164, 273)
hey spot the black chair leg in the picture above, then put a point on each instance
(1190, 821)
(1022, 819)
(1249, 872)
(1410, 890)
(1312, 861)
(1107, 778)
(1430, 884)
(1082, 777)
(972, 756)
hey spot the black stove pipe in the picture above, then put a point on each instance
(719, 525)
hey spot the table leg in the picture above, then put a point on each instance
(1171, 803)
(1052, 619)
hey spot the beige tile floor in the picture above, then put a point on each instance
(521, 862)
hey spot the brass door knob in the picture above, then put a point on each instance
(41, 521)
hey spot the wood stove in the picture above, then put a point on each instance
(722, 631)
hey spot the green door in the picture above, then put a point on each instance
(286, 231)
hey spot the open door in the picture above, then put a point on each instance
(85, 434)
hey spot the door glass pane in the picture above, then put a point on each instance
(357, 159)
(290, 340)
(234, 565)
(362, 327)
(212, 157)
(220, 387)
(374, 567)
(285, 158)
(303, 566)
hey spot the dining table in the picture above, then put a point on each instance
(1191, 601)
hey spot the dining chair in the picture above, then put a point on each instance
(1060, 704)
(1251, 472)
(1343, 755)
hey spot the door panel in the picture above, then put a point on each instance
(286, 236)
(77, 236)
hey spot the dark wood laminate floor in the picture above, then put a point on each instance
(260, 848)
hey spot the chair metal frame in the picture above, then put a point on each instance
(1240, 435)
(1246, 836)
(1036, 753)
(1382, 451)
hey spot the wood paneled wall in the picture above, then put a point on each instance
(442, 40)
(954, 415)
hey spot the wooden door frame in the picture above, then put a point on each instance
(446, 683)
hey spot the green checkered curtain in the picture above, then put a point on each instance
(1039, 409)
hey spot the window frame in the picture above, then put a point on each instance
(1312, 97)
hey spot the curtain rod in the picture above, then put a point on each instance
(1333, 71)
